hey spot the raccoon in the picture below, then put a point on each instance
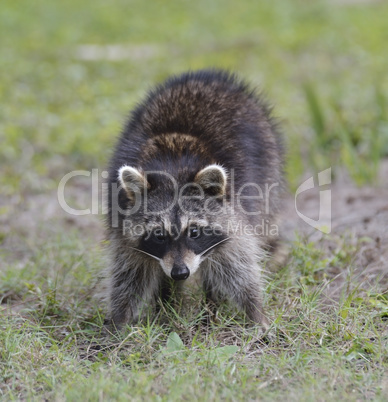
(195, 185)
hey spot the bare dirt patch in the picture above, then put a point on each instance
(359, 221)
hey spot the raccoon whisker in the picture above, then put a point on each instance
(214, 245)
(144, 252)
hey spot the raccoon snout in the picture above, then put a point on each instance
(179, 273)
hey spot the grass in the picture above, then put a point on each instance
(322, 64)
(359, 145)
(55, 347)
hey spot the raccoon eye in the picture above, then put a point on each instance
(194, 232)
(159, 235)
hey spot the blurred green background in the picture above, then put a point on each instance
(71, 71)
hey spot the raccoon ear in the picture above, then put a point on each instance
(132, 180)
(212, 179)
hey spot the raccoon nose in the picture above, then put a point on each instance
(179, 273)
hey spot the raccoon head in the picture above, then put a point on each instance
(180, 237)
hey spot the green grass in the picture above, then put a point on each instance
(323, 66)
(53, 346)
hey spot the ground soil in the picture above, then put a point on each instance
(359, 218)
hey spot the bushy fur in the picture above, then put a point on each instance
(209, 129)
